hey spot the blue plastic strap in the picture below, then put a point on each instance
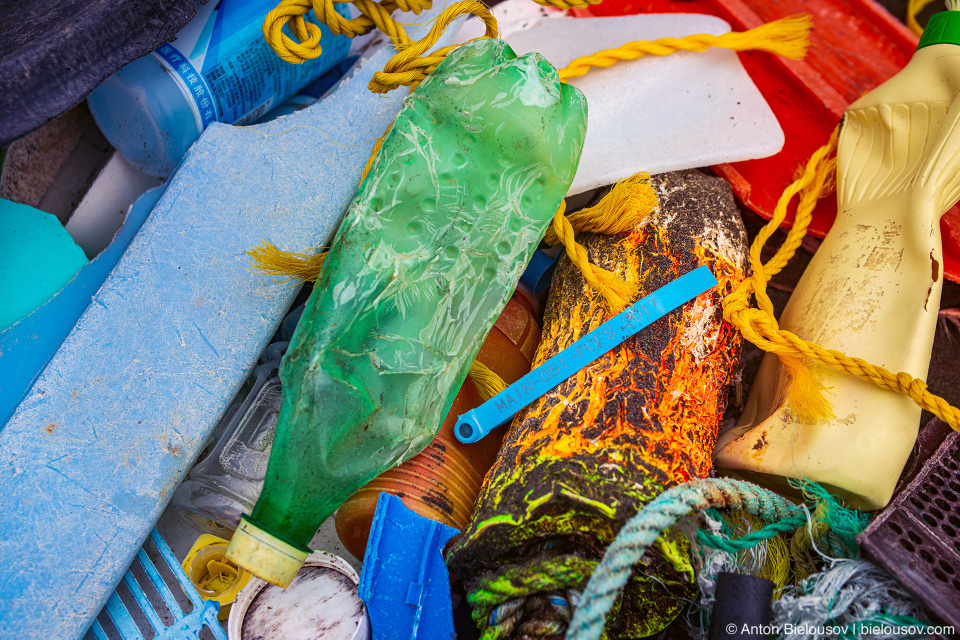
(475, 424)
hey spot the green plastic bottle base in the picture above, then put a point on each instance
(264, 555)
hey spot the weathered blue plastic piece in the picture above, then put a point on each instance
(539, 271)
(98, 444)
(29, 344)
(184, 626)
(404, 581)
(477, 423)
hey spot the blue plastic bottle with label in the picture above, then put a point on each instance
(217, 69)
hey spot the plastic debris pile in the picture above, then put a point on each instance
(529, 390)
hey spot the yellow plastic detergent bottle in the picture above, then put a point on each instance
(872, 289)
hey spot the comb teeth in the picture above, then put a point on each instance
(150, 603)
(917, 537)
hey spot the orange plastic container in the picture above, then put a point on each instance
(855, 46)
(442, 481)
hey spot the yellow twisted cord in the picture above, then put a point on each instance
(373, 15)
(759, 326)
(488, 382)
(629, 202)
(567, 4)
(914, 7)
(617, 292)
(787, 37)
(407, 68)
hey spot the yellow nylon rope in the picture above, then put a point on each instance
(488, 382)
(759, 326)
(914, 7)
(785, 37)
(627, 204)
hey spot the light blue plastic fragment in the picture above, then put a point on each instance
(404, 581)
(476, 423)
(101, 439)
(183, 626)
(28, 345)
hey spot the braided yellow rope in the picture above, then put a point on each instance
(914, 7)
(407, 68)
(785, 37)
(759, 326)
(629, 202)
(617, 292)
(374, 15)
(567, 4)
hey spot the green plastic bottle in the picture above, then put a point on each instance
(429, 252)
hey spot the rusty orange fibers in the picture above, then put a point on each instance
(580, 461)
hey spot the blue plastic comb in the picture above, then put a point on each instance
(185, 625)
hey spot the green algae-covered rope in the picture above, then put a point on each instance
(613, 572)
(752, 539)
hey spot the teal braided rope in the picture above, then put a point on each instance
(752, 539)
(613, 572)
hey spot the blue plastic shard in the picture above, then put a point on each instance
(30, 343)
(404, 581)
(539, 272)
(477, 423)
(101, 439)
(153, 590)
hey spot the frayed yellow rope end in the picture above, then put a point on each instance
(488, 383)
(788, 37)
(629, 202)
(806, 398)
(270, 260)
(618, 293)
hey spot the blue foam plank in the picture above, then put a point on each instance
(28, 345)
(100, 441)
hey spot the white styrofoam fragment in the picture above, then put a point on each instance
(100, 213)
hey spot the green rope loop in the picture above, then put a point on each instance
(751, 539)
